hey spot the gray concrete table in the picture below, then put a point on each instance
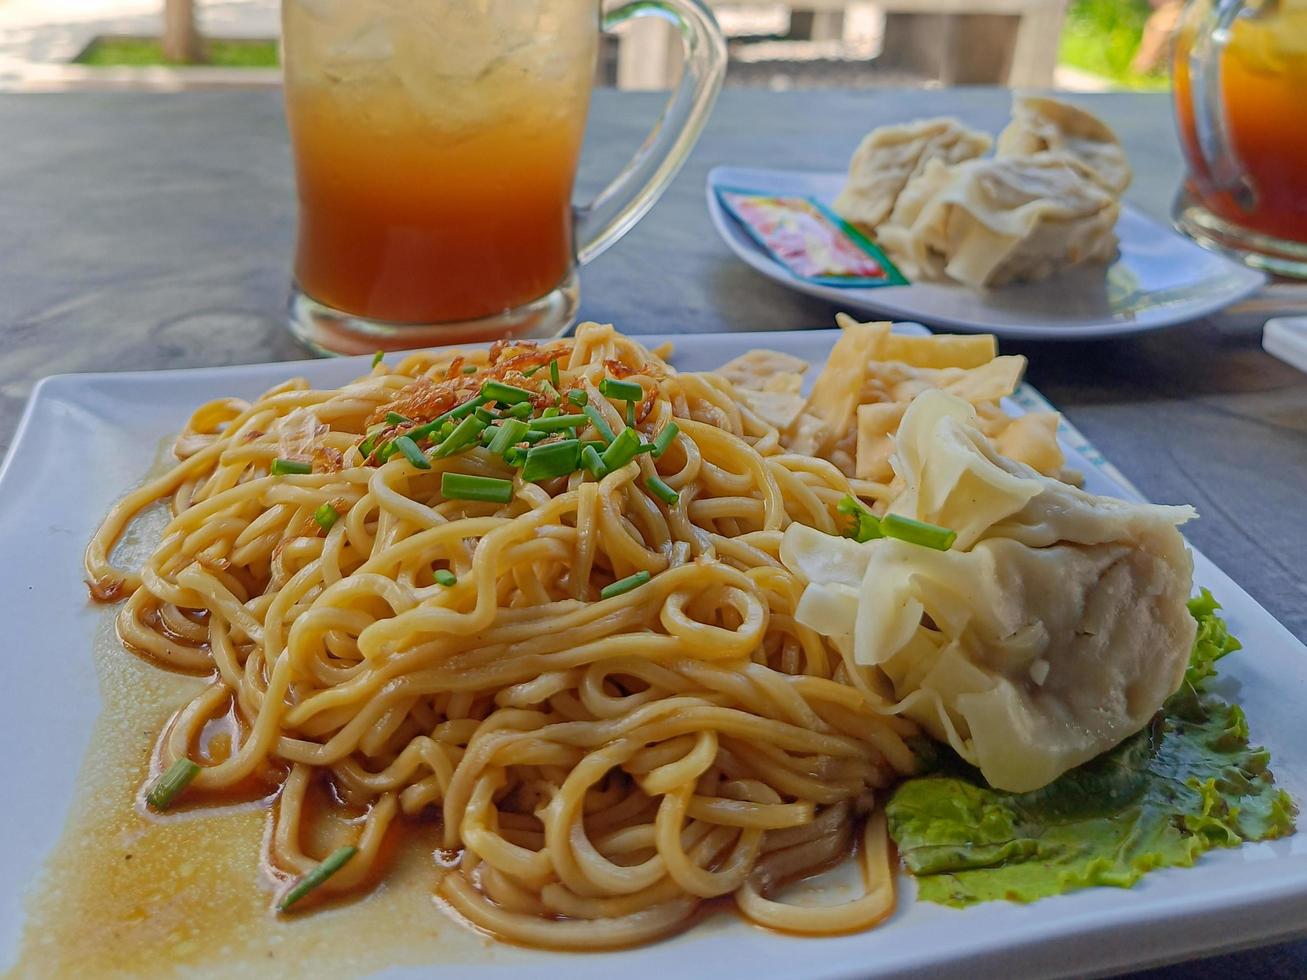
(155, 231)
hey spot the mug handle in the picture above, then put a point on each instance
(1224, 171)
(616, 209)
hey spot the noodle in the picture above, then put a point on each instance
(601, 766)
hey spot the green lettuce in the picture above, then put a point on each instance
(1187, 783)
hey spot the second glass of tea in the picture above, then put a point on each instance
(1241, 105)
(436, 144)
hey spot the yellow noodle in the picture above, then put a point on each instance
(601, 766)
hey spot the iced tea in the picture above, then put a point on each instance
(436, 143)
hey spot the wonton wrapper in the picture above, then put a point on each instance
(1055, 627)
(986, 223)
(1046, 125)
(890, 156)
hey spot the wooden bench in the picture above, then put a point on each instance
(1011, 42)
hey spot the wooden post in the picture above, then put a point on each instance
(181, 38)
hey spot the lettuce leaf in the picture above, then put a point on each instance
(1187, 783)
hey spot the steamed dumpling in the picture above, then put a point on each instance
(990, 222)
(1055, 627)
(890, 156)
(1047, 125)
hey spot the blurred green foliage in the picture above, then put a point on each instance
(1101, 37)
(140, 51)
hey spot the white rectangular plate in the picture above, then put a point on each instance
(85, 439)
(1159, 277)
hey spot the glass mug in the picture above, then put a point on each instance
(436, 144)
(1240, 75)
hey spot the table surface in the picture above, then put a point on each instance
(155, 231)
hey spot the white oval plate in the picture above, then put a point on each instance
(1160, 278)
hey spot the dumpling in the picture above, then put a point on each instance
(1046, 125)
(1055, 627)
(890, 156)
(990, 222)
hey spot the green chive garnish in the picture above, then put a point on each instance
(428, 429)
(488, 434)
(630, 414)
(662, 491)
(552, 412)
(601, 426)
(394, 418)
(514, 456)
(623, 391)
(465, 434)
(412, 453)
(470, 369)
(554, 459)
(376, 358)
(326, 516)
(284, 467)
(866, 526)
(497, 391)
(918, 532)
(593, 462)
(520, 411)
(621, 450)
(554, 375)
(488, 489)
(578, 397)
(510, 434)
(555, 423)
(644, 447)
(445, 577)
(485, 416)
(665, 438)
(550, 390)
(624, 585)
(314, 879)
(168, 786)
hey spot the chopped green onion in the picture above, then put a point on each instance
(624, 585)
(662, 491)
(554, 375)
(550, 390)
(592, 461)
(529, 372)
(367, 445)
(520, 411)
(534, 435)
(601, 425)
(488, 434)
(284, 467)
(514, 456)
(376, 358)
(510, 433)
(488, 489)
(445, 577)
(314, 879)
(428, 429)
(412, 453)
(326, 515)
(622, 391)
(554, 423)
(552, 412)
(394, 418)
(665, 438)
(630, 414)
(554, 459)
(465, 433)
(598, 444)
(485, 416)
(470, 369)
(644, 447)
(918, 532)
(866, 526)
(497, 391)
(168, 786)
(578, 397)
(621, 450)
